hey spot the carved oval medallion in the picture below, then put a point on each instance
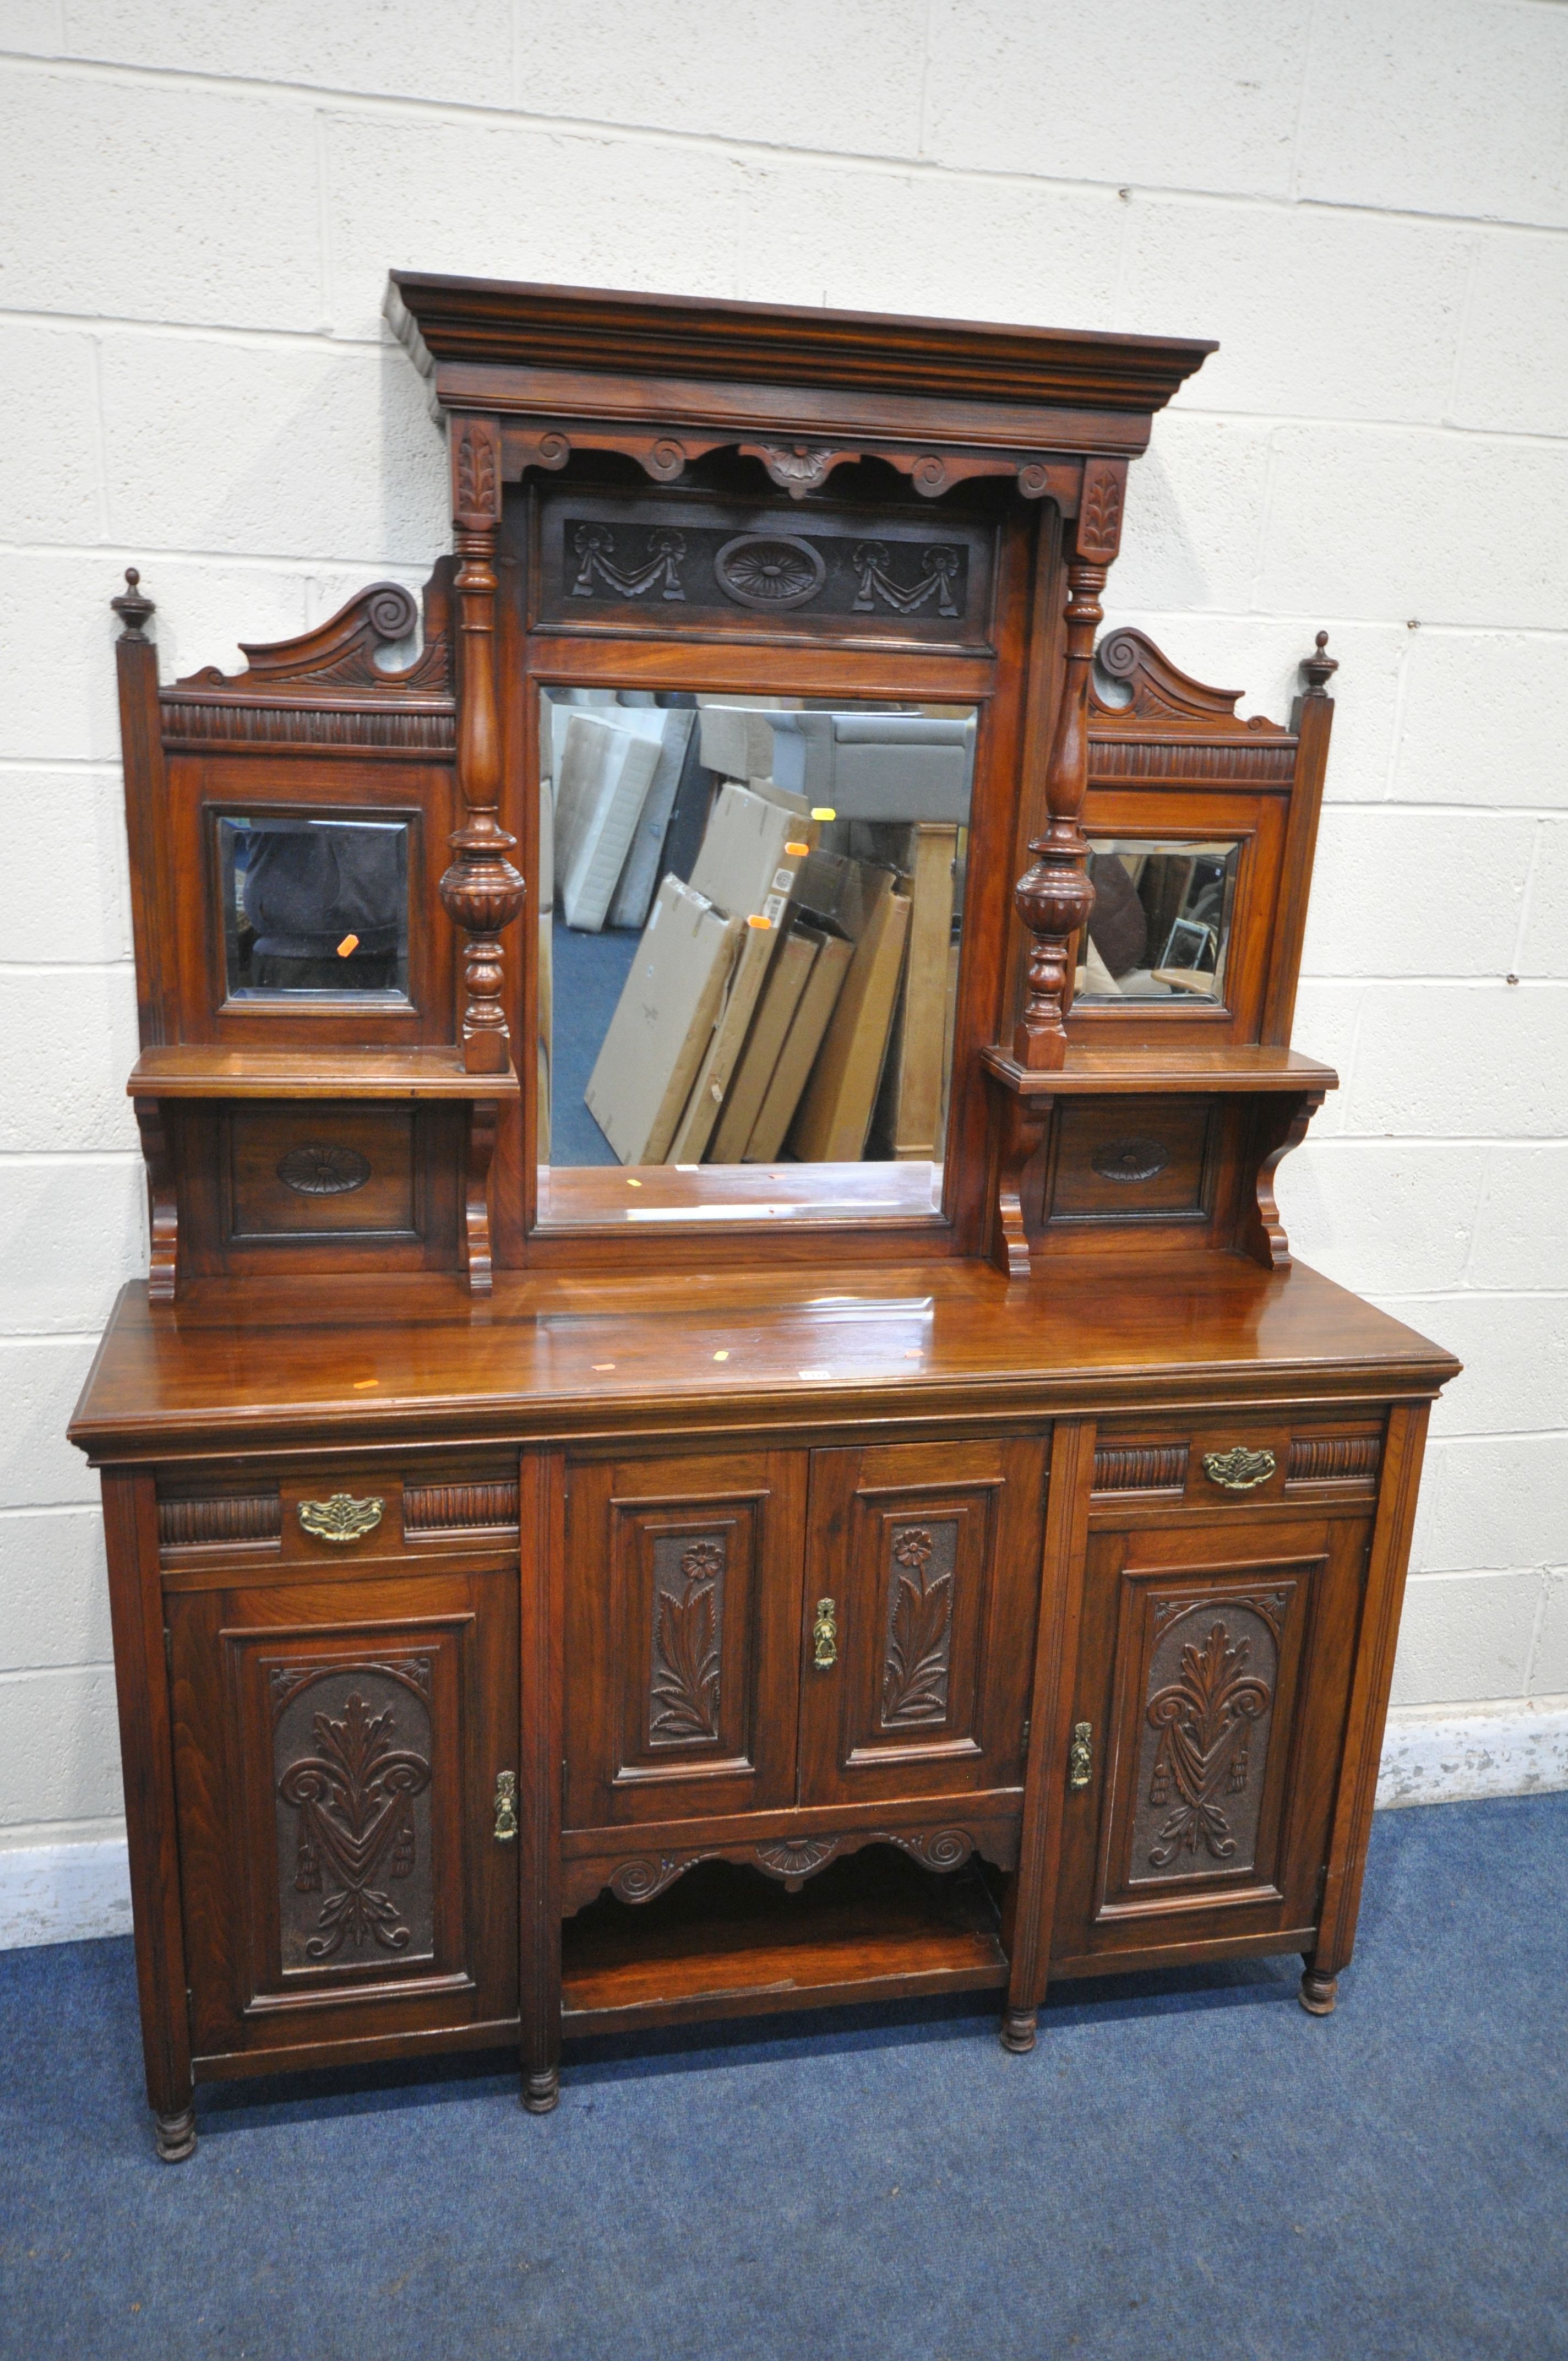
(321, 1169)
(1130, 1160)
(769, 570)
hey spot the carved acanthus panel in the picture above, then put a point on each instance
(694, 560)
(352, 1747)
(686, 1649)
(917, 1660)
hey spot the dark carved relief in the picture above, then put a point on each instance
(1100, 520)
(919, 1624)
(871, 560)
(661, 569)
(642, 1877)
(795, 1857)
(1333, 1460)
(765, 571)
(688, 1608)
(324, 1169)
(1130, 1160)
(1141, 1467)
(1206, 1730)
(359, 1824)
(460, 1507)
(769, 570)
(236, 1516)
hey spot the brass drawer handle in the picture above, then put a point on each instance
(824, 1636)
(342, 1518)
(1238, 1469)
(1081, 1755)
(505, 1807)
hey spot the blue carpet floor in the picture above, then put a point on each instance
(1185, 2167)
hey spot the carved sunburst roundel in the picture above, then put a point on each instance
(770, 570)
(324, 1169)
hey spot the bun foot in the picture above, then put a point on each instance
(541, 2092)
(176, 2136)
(1018, 2031)
(1318, 1992)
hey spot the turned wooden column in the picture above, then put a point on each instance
(481, 891)
(1054, 897)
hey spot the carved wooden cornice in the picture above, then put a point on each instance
(499, 323)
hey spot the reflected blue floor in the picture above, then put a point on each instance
(589, 970)
(1187, 2165)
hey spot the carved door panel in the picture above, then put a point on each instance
(925, 1561)
(341, 1749)
(683, 1609)
(1213, 1679)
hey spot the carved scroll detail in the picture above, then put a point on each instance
(163, 1202)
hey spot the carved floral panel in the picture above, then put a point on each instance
(352, 1755)
(1204, 1730)
(918, 1639)
(688, 1637)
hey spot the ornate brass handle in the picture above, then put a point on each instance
(342, 1518)
(1238, 1469)
(1081, 1755)
(824, 1636)
(505, 1807)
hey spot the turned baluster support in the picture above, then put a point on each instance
(481, 891)
(1054, 897)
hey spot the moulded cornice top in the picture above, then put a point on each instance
(516, 324)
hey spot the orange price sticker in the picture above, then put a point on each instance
(350, 943)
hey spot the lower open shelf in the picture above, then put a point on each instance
(725, 1941)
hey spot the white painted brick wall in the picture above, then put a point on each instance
(1365, 200)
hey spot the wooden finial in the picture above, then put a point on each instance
(1320, 667)
(132, 607)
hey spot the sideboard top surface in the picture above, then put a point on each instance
(403, 1361)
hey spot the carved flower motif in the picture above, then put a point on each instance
(913, 1546)
(702, 1561)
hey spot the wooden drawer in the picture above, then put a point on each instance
(326, 1517)
(1217, 1460)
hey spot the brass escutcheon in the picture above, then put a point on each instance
(824, 1636)
(505, 1807)
(342, 1518)
(1238, 1469)
(1081, 1755)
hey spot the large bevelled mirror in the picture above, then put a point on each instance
(750, 917)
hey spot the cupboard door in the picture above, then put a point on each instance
(683, 1608)
(338, 1746)
(925, 1559)
(1212, 1682)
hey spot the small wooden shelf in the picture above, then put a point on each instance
(1143, 1072)
(201, 1070)
(725, 1941)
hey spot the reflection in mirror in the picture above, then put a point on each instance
(750, 918)
(1160, 928)
(315, 906)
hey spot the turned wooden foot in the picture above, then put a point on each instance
(541, 2092)
(1318, 1992)
(176, 2134)
(1018, 2031)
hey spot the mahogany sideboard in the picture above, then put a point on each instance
(562, 1587)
